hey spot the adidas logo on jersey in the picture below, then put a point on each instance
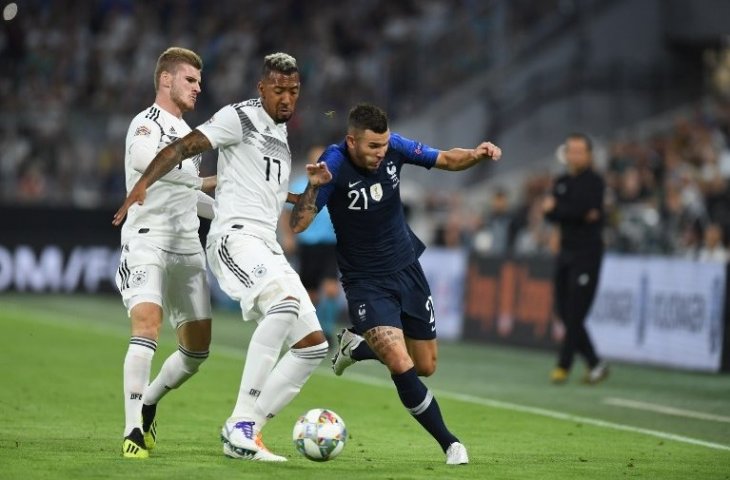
(172, 131)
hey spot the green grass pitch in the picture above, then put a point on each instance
(61, 411)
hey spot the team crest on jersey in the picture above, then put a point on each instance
(393, 172)
(142, 130)
(138, 277)
(259, 271)
(376, 191)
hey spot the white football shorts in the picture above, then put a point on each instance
(255, 273)
(177, 282)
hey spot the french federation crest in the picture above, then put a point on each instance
(376, 192)
(362, 312)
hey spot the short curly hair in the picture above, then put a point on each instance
(279, 62)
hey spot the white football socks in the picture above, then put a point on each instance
(137, 365)
(178, 367)
(286, 380)
(263, 352)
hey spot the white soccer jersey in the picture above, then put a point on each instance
(254, 163)
(168, 218)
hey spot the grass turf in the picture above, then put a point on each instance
(61, 404)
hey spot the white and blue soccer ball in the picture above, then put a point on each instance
(320, 434)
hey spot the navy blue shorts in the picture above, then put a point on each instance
(402, 300)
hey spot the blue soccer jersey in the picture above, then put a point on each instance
(366, 209)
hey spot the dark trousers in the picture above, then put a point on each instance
(575, 283)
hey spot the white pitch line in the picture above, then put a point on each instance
(655, 407)
(239, 354)
(515, 407)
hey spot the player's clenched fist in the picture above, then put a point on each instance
(488, 150)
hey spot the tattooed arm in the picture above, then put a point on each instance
(305, 208)
(292, 198)
(190, 145)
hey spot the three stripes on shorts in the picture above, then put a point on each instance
(228, 261)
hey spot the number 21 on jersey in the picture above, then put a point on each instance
(355, 196)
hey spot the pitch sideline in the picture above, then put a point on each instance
(658, 408)
(515, 407)
(368, 380)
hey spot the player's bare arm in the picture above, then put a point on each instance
(190, 145)
(463, 158)
(305, 209)
(292, 198)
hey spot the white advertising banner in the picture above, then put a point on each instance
(662, 311)
(84, 268)
(445, 271)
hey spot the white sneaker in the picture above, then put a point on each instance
(343, 356)
(597, 374)
(239, 441)
(456, 454)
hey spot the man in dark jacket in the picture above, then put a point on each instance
(576, 205)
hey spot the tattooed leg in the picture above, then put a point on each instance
(388, 343)
(390, 347)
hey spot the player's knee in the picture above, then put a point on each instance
(311, 345)
(281, 297)
(312, 339)
(426, 368)
(397, 362)
(146, 320)
(195, 335)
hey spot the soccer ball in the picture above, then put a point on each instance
(319, 434)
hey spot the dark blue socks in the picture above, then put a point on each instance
(420, 402)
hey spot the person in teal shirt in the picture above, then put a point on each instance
(315, 250)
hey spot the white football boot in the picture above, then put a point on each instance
(240, 442)
(343, 356)
(456, 454)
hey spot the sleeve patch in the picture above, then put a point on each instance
(142, 130)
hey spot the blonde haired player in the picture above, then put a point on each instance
(162, 266)
(254, 164)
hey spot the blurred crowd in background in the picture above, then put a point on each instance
(74, 76)
(667, 194)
